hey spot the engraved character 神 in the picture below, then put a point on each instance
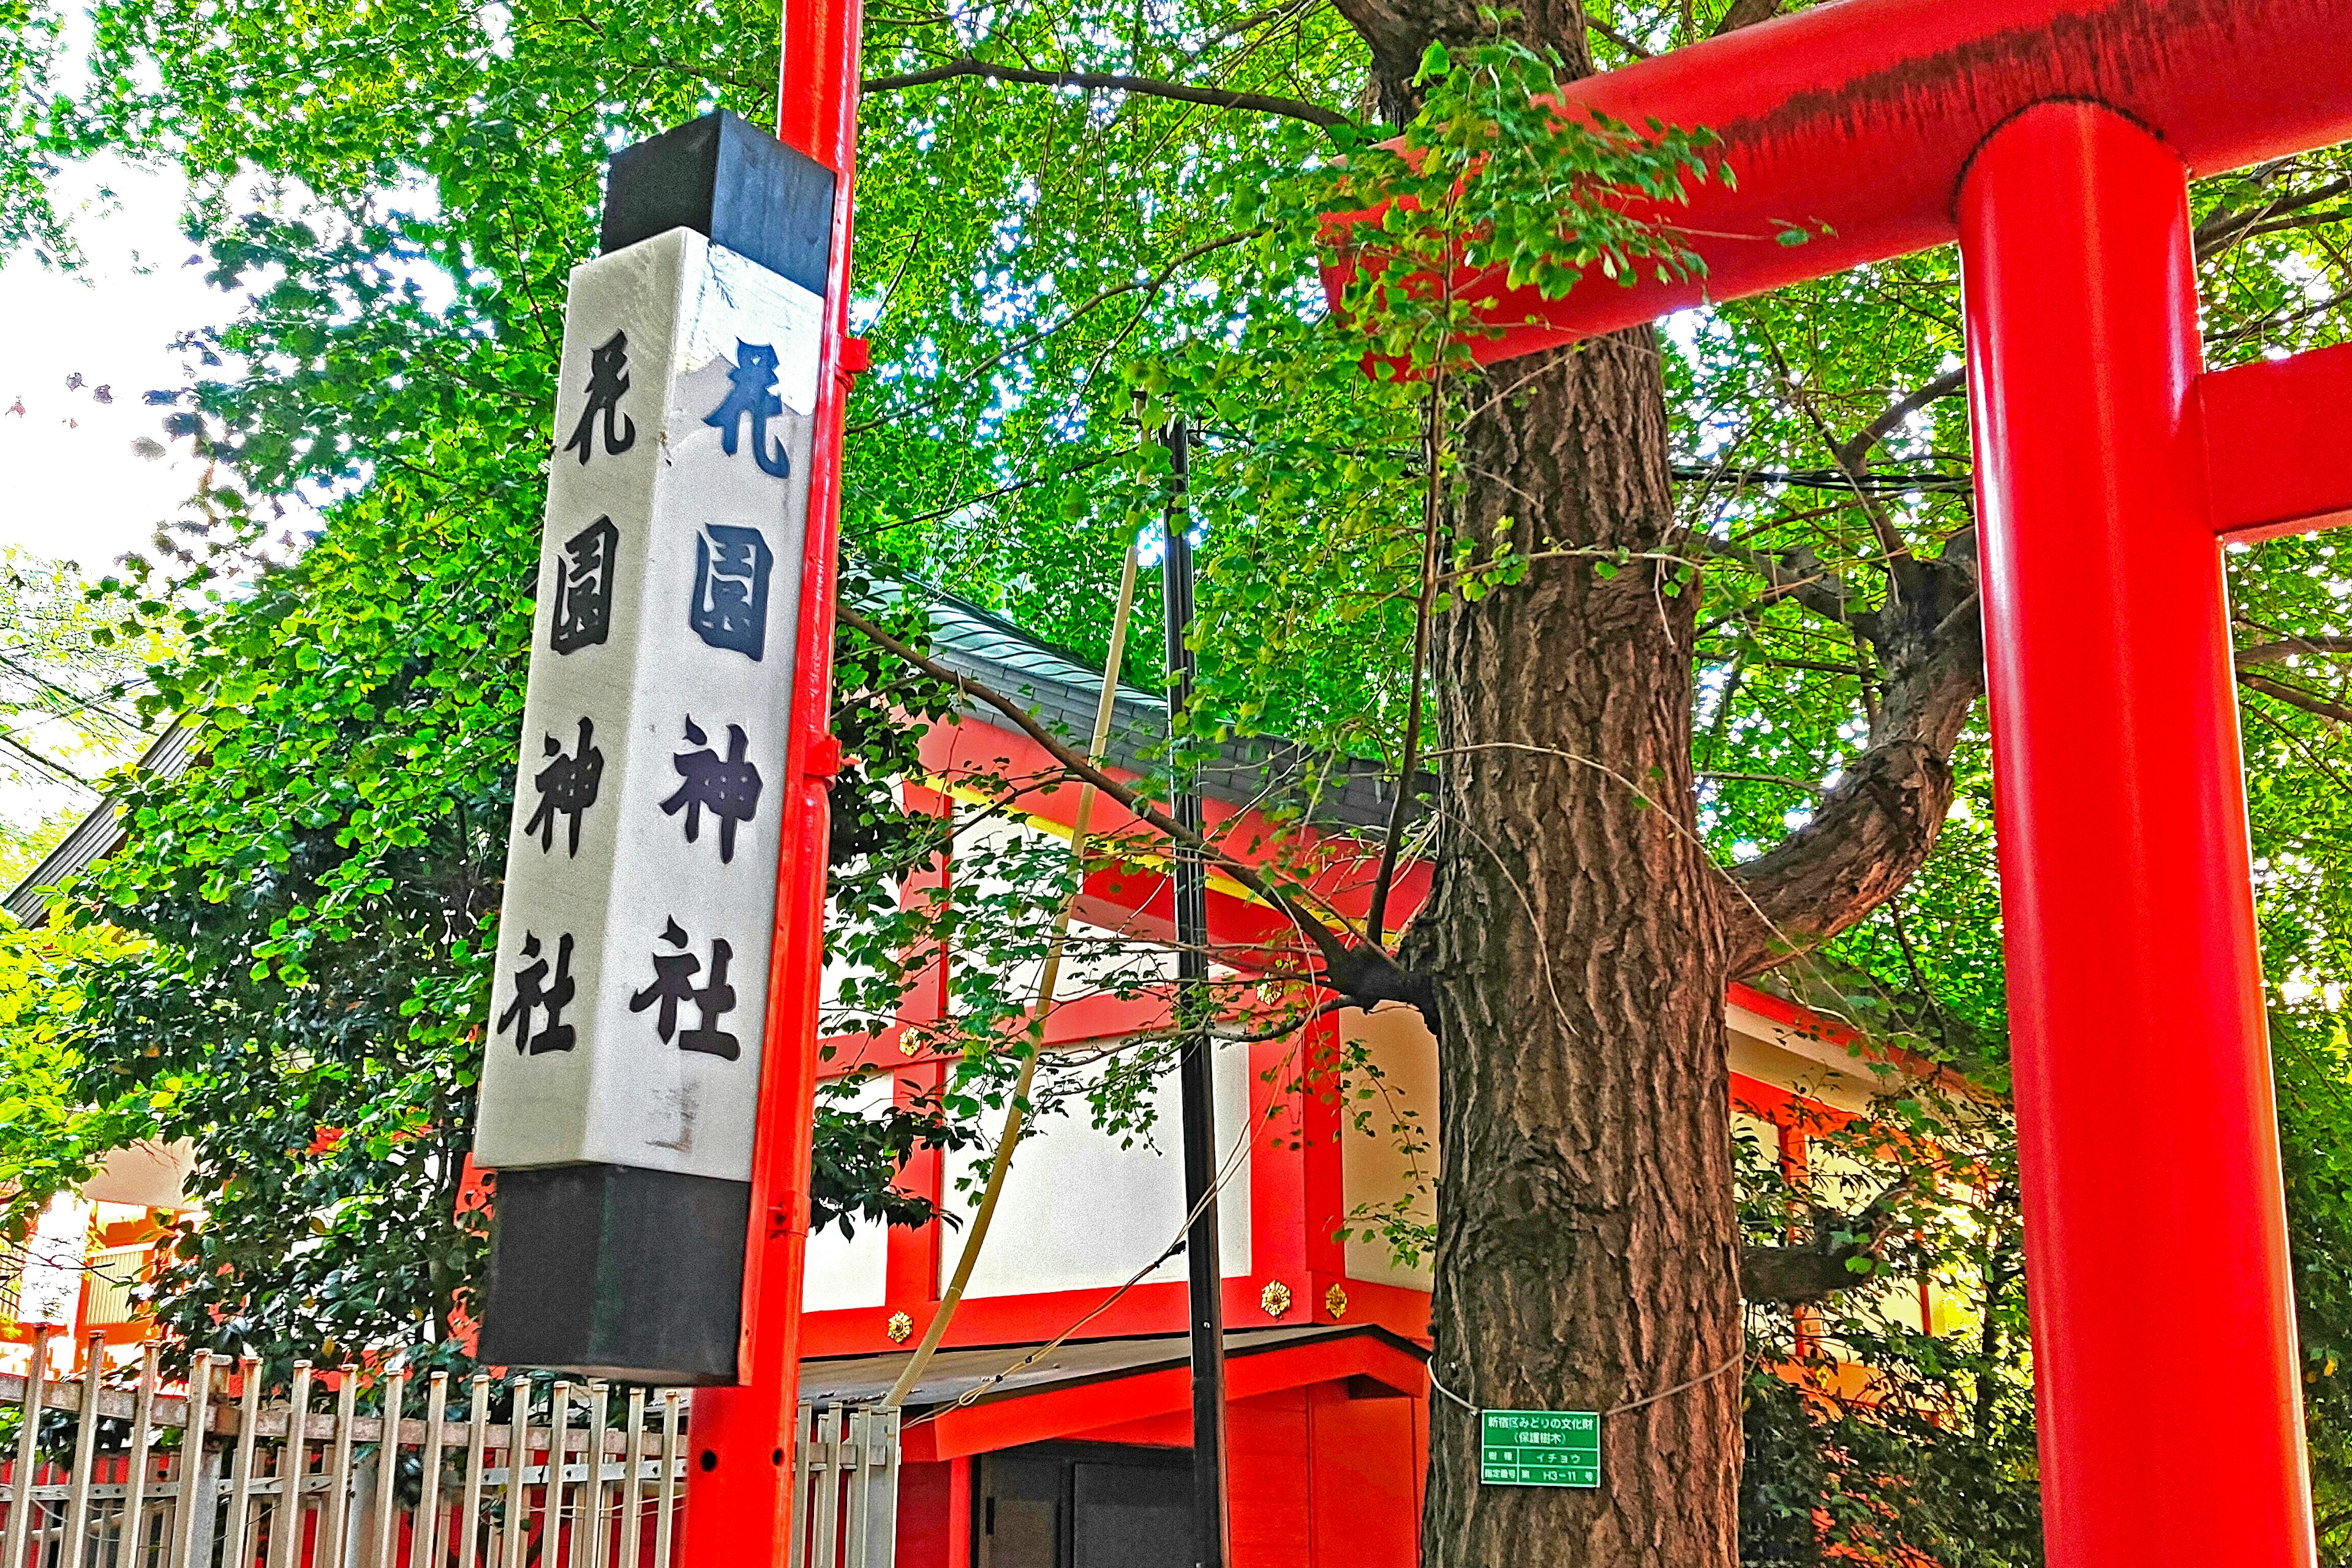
(567, 787)
(727, 787)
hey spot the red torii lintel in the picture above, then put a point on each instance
(2055, 142)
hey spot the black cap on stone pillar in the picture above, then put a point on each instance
(726, 178)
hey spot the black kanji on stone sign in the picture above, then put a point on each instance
(753, 396)
(730, 588)
(583, 588)
(673, 984)
(727, 786)
(567, 787)
(535, 993)
(608, 377)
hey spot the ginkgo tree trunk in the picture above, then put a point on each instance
(1579, 936)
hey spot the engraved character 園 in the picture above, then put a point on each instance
(583, 588)
(731, 563)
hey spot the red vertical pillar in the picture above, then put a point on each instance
(2146, 1130)
(738, 1467)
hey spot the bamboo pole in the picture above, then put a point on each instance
(334, 1520)
(1017, 1112)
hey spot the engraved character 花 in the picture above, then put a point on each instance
(583, 588)
(752, 396)
(727, 787)
(673, 986)
(730, 588)
(535, 993)
(567, 788)
(608, 377)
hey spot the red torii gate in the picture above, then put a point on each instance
(2054, 141)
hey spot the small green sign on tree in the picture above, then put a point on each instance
(1539, 1447)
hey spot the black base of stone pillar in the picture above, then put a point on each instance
(616, 1272)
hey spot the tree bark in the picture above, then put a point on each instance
(1586, 1255)
(1578, 939)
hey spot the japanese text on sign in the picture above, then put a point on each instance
(1539, 1447)
(632, 980)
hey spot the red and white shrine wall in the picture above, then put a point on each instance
(1084, 1211)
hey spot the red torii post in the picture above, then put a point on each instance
(2054, 141)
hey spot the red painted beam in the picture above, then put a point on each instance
(1863, 116)
(2271, 458)
(1052, 1413)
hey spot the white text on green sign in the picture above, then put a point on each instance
(1539, 1447)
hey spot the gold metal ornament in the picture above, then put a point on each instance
(1275, 1298)
(899, 1327)
(1334, 1301)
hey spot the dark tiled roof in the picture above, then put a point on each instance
(1063, 689)
(98, 836)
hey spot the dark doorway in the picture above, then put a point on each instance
(1083, 1505)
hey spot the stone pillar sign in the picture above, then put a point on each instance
(620, 1080)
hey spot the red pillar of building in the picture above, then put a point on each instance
(2165, 1355)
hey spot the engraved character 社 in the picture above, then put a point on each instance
(536, 992)
(673, 986)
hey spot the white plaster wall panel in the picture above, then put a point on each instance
(1080, 1212)
(850, 1270)
(694, 554)
(1373, 1168)
(1096, 959)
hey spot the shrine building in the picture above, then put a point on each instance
(1052, 1428)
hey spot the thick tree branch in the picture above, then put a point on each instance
(1799, 1276)
(1850, 456)
(2295, 696)
(1871, 831)
(1746, 14)
(1102, 81)
(2288, 647)
(1596, 25)
(1796, 573)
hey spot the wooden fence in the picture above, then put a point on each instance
(215, 1479)
(212, 1478)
